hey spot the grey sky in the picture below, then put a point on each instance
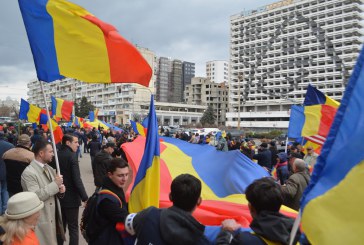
(191, 30)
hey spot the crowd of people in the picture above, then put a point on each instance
(38, 204)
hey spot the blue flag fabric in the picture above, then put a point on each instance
(332, 204)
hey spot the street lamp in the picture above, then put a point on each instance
(240, 78)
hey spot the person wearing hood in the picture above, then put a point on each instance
(282, 167)
(174, 225)
(76, 192)
(111, 207)
(265, 198)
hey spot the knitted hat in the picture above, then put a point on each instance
(23, 205)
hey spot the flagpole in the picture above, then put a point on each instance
(50, 128)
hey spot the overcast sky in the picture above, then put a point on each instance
(190, 30)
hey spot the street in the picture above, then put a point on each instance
(88, 181)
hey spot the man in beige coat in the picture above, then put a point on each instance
(41, 179)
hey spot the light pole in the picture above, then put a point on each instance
(240, 78)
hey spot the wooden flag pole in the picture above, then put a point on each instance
(50, 128)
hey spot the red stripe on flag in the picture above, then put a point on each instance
(327, 117)
(66, 110)
(128, 67)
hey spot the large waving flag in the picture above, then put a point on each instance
(224, 176)
(315, 97)
(146, 189)
(311, 122)
(29, 112)
(68, 41)
(62, 108)
(332, 205)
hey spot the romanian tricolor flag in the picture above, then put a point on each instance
(146, 189)
(311, 122)
(68, 41)
(138, 128)
(62, 108)
(29, 112)
(78, 122)
(92, 115)
(315, 97)
(224, 177)
(57, 131)
(332, 205)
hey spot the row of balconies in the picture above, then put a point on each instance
(287, 9)
(320, 17)
(271, 29)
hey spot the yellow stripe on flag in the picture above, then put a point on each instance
(33, 113)
(75, 38)
(346, 226)
(312, 120)
(146, 194)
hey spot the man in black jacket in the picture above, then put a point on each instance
(269, 226)
(174, 225)
(264, 157)
(111, 208)
(101, 161)
(72, 180)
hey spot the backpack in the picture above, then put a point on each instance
(92, 224)
(89, 215)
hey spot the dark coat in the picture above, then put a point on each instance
(273, 226)
(110, 213)
(168, 226)
(16, 160)
(75, 191)
(101, 162)
(4, 147)
(264, 158)
(94, 146)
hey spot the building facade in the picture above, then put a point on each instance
(188, 72)
(202, 91)
(277, 50)
(171, 77)
(217, 71)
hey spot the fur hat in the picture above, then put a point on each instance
(24, 140)
(22, 205)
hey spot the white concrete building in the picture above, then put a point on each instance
(278, 49)
(217, 71)
(175, 113)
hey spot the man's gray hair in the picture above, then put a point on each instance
(299, 164)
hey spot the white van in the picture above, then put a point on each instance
(213, 131)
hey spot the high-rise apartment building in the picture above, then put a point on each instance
(217, 71)
(202, 91)
(175, 83)
(277, 50)
(188, 72)
(170, 78)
